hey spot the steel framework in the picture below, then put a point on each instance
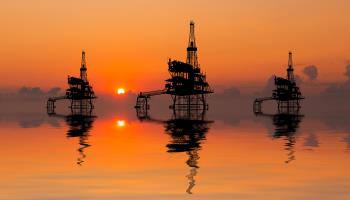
(80, 92)
(287, 93)
(187, 84)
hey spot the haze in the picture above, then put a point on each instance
(241, 43)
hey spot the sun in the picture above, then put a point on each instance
(120, 91)
(120, 123)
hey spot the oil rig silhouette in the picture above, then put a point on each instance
(80, 93)
(287, 93)
(187, 85)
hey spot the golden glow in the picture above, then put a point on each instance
(229, 53)
(121, 123)
(120, 91)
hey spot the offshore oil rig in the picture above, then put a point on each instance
(287, 93)
(187, 85)
(80, 93)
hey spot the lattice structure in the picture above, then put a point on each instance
(187, 84)
(287, 93)
(80, 93)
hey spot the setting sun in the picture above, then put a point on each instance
(121, 91)
(120, 123)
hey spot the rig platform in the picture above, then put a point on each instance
(80, 93)
(287, 93)
(187, 84)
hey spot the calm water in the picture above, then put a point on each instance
(119, 157)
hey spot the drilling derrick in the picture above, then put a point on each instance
(187, 85)
(83, 74)
(287, 93)
(80, 93)
(290, 70)
(192, 58)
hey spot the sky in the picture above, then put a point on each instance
(127, 43)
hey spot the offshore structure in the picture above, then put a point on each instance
(80, 92)
(287, 93)
(187, 84)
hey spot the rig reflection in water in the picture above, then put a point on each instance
(80, 123)
(187, 129)
(286, 122)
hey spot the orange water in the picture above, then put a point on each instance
(130, 160)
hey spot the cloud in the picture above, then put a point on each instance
(298, 80)
(37, 91)
(26, 93)
(341, 88)
(347, 71)
(311, 72)
(30, 91)
(232, 91)
(270, 84)
(54, 91)
(347, 141)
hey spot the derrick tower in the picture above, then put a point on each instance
(80, 93)
(187, 84)
(290, 70)
(83, 69)
(192, 58)
(287, 94)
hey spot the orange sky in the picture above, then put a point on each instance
(128, 42)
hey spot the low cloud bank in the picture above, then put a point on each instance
(311, 72)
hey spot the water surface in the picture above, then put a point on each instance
(120, 157)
